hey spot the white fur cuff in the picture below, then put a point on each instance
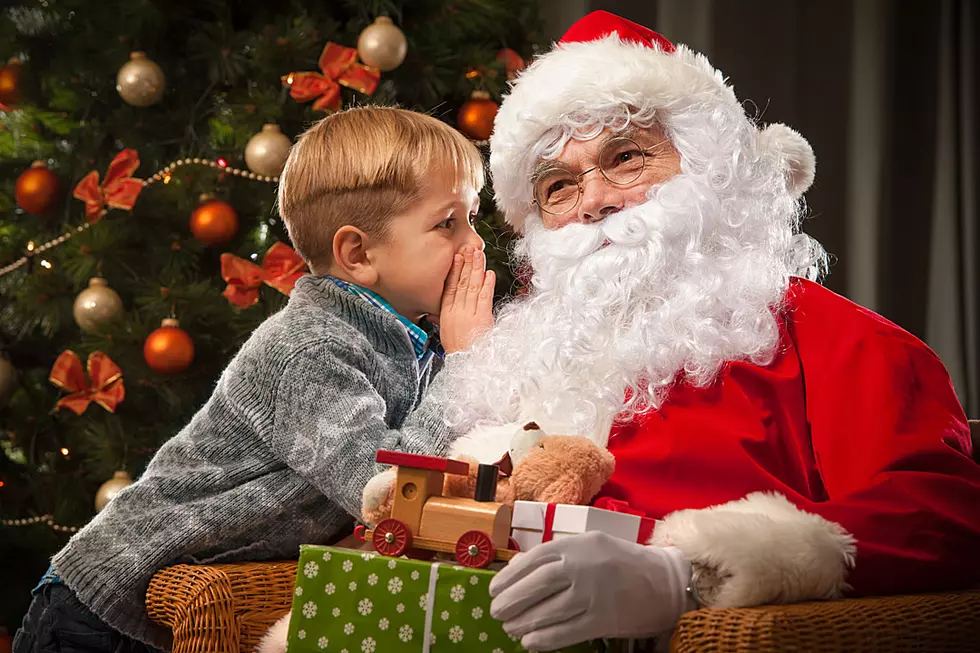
(764, 549)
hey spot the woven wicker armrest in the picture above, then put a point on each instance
(943, 623)
(220, 608)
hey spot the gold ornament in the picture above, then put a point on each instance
(8, 379)
(214, 222)
(266, 152)
(140, 81)
(476, 116)
(108, 490)
(10, 82)
(382, 45)
(38, 190)
(169, 350)
(96, 306)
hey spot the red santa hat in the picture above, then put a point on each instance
(604, 60)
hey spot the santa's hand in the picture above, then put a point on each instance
(590, 586)
(467, 301)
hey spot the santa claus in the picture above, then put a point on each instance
(792, 444)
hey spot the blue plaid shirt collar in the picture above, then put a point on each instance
(416, 334)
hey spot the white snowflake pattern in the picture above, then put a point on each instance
(459, 567)
(444, 615)
(483, 637)
(415, 575)
(391, 564)
(432, 639)
(383, 624)
(365, 607)
(474, 580)
(335, 612)
(348, 628)
(326, 556)
(322, 642)
(348, 565)
(497, 650)
(457, 593)
(373, 579)
(368, 645)
(423, 601)
(330, 588)
(513, 638)
(301, 634)
(309, 609)
(405, 633)
(477, 612)
(455, 634)
(352, 586)
(366, 556)
(299, 591)
(343, 650)
(400, 608)
(395, 585)
(310, 569)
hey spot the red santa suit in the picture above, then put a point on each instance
(855, 421)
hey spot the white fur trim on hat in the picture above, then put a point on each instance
(764, 549)
(607, 72)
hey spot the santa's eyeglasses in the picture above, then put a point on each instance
(621, 162)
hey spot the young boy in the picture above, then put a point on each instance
(380, 202)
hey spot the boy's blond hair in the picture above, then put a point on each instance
(363, 166)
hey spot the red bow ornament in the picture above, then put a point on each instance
(618, 505)
(106, 387)
(118, 191)
(340, 67)
(281, 267)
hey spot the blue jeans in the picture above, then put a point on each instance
(57, 622)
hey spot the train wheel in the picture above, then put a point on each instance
(475, 549)
(512, 544)
(391, 537)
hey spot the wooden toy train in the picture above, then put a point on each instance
(423, 521)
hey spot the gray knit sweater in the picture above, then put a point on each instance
(277, 457)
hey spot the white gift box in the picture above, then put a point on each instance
(528, 525)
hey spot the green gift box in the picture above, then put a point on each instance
(362, 602)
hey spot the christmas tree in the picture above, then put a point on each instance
(139, 243)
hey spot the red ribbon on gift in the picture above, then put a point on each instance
(340, 67)
(106, 387)
(548, 532)
(118, 191)
(281, 267)
(618, 505)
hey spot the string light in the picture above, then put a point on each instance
(166, 178)
(289, 80)
(30, 246)
(222, 163)
(64, 451)
(43, 519)
(46, 264)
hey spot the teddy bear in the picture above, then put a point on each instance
(537, 467)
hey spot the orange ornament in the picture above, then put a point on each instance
(476, 116)
(513, 62)
(214, 222)
(168, 350)
(10, 83)
(38, 190)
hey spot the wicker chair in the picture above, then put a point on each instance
(227, 608)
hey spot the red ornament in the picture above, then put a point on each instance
(476, 116)
(38, 190)
(214, 222)
(513, 62)
(106, 387)
(281, 267)
(118, 191)
(10, 83)
(168, 350)
(340, 68)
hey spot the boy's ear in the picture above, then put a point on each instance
(350, 256)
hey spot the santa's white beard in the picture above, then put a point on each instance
(619, 311)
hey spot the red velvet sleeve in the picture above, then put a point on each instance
(892, 446)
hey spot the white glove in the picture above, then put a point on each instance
(590, 586)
